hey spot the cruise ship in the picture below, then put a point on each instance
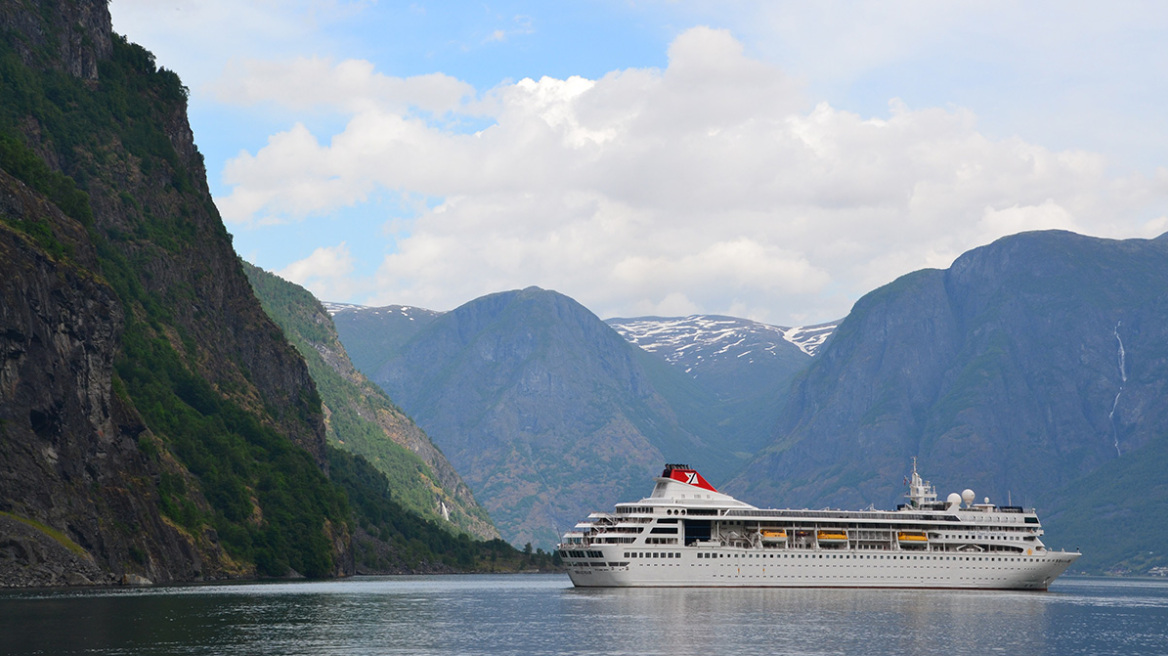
(686, 533)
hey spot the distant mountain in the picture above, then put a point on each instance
(372, 335)
(542, 407)
(700, 343)
(746, 365)
(810, 339)
(1035, 368)
(361, 419)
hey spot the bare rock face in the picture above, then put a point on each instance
(69, 452)
(31, 558)
(75, 36)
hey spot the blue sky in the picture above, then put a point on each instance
(774, 160)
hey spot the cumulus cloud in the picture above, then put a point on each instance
(198, 37)
(349, 86)
(712, 185)
(326, 273)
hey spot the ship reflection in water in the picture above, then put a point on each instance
(544, 614)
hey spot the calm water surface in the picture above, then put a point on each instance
(543, 614)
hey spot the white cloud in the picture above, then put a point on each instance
(198, 37)
(326, 272)
(351, 86)
(1046, 216)
(711, 185)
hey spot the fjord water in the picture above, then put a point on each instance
(543, 614)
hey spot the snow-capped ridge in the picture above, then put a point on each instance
(697, 338)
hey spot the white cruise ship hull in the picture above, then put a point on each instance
(686, 533)
(750, 568)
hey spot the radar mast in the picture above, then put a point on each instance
(920, 491)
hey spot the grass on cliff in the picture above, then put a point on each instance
(57, 536)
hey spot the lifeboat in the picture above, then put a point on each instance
(912, 537)
(831, 536)
(773, 536)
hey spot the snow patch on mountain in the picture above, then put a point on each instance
(403, 310)
(809, 338)
(697, 339)
(336, 308)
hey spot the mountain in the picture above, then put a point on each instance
(372, 335)
(710, 345)
(361, 419)
(155, 424)
(1033, 369)
(545, 410)
(154, 421)
(746, 365)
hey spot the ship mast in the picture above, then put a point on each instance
(920, 491)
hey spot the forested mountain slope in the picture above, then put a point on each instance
(360, 418)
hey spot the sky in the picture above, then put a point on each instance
(773, 160)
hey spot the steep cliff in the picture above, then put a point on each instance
(69, 446)
(153, 416)
(360, 417)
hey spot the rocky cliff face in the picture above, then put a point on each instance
(136, 361)
(71, 37)
(69, 446)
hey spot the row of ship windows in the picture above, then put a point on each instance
(575, 553)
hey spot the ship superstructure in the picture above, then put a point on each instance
(686, 533)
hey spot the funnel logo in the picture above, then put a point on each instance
(690, 477)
